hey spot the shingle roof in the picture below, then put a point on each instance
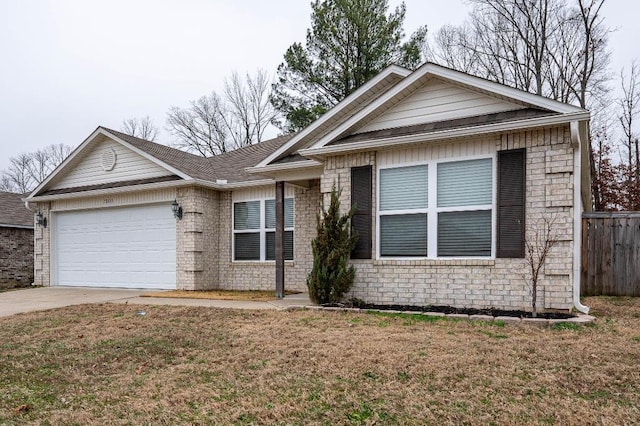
(499, 117)
(110, 185)
(13, 211)
(229, 166)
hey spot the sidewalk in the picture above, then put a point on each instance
(43, 298)
(293, 300)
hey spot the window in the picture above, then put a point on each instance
(254, 232)
(438, 209)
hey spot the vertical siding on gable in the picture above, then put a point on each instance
(129, 166)
(438, 101)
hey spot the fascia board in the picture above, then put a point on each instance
(152, 186)
(283, 167)
(106, 191)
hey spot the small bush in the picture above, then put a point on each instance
(331, 276)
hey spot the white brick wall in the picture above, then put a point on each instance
(261, 275)
(204, 258)
(497, 283)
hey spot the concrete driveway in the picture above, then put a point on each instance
(42, 298)
(39, 299)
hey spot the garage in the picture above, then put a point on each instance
(132, 247)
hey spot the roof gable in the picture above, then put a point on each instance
(437, 100)
(464, 96)
(107, 161)
(107, 157)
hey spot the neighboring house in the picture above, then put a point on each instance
(447, 172)
(16, 242)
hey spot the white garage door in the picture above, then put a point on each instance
(131, 247)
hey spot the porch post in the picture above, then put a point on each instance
(279, 240)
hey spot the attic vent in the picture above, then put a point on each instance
(108, 159)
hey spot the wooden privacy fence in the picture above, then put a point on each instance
(611, 254)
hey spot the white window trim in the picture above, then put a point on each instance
(432, 212)
(262, 230)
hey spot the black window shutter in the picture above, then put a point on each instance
(511, 203)
(361, 220)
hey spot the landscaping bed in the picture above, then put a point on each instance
(448, 310)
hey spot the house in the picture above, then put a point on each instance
(448, 173)
(16, 242)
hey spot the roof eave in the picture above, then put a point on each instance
(108, 191)
(372, 144)
(283, 167)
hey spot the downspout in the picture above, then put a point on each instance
(577, 213)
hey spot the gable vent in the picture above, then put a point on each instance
(108, 159)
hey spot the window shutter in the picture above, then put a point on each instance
(361, 221)
(511, 203)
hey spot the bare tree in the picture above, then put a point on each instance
(200, 128)
(142, 128)
(17, 177)
(629, 112)
(539, 241)
(27, 170)
(547, 47)
(219, 123)
(552, 48)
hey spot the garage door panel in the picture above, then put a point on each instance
(119, 247)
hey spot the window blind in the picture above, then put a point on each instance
(465, 183)
(247, 246)
(403, 235)
(404, 188)
(271, 245)
(270, 213)
(466, 233)
(246, 215)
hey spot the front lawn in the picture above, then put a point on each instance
(107, 364)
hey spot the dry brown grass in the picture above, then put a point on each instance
(103, 364)
(252, 295)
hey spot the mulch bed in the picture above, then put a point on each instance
(355, 303)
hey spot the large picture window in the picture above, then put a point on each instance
(438, 209)
(254, 232)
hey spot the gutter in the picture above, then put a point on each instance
(8, 225)
(577, 213)
(304, 164)
(150, 186)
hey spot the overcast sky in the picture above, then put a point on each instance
(67, 66)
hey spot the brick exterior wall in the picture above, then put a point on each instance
(16, 257)
(204, 240)
(479, 283)
(261, 275)
(197, 239)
